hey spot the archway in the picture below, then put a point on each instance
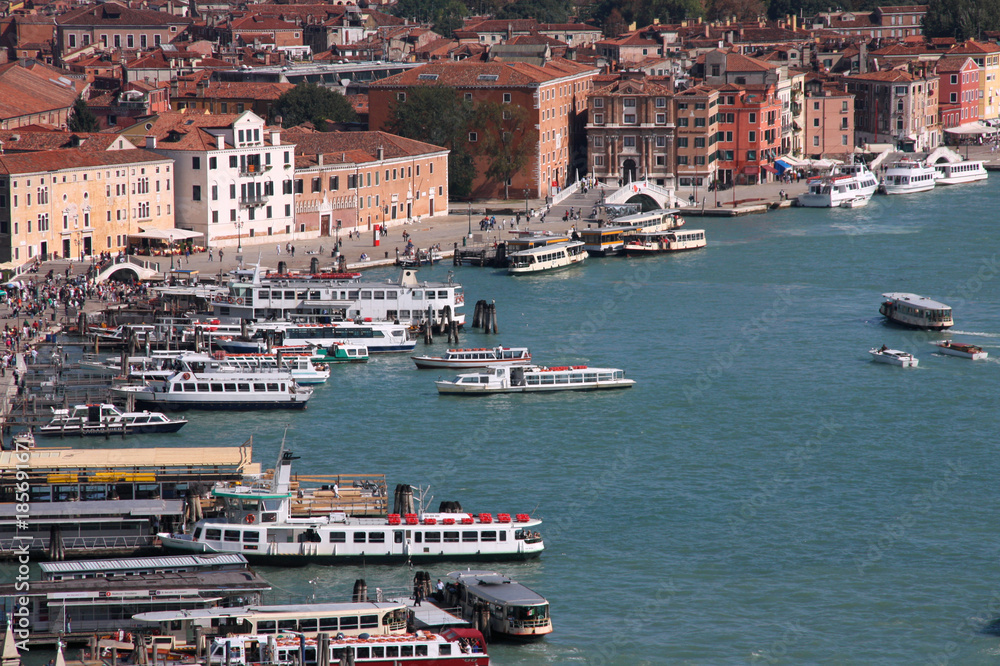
(628, 171)
(645, 202)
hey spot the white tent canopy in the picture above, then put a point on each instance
(974, 127)
(168, 234)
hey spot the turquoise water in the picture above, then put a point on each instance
(765, 493)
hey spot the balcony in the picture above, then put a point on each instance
(254, 169)
(253, 202)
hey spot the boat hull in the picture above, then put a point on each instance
(888, 359)
(430, 363)
(221, 405)
(951, 351)
(450, 388)
(103, 431)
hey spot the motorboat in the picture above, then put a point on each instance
(908, 177)
(299, 363)
(916, 311)
(956, 173)
(893, 357)
(475, 358)
(834, 191)
(533, 378)
(959, 349)
(524, 614)
(546, 258)
(856, 202)
(659, 242)
(106, 419)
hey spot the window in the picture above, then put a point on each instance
(215, 192)
(699, 122)
(473, 137)
(598, 160)
(682, 142)
(661, 102)
(629, 102)
(843, 106)
(401, 96)
(661, 141)
(196, 192)
(630, 118)
(815, 106)
(196, 162)
(751, 155)
(753, 136)
(213, 163)
(682, 122)
(598, 118)
(506, 98)
(954, 79)
(628, 141)
(699, 142)
(843, 139)
(661, 118)
(815, 140)
(317, 185)
(753, 117)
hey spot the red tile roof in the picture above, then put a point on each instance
(25, 91)
(72, 158)
(972, 47)
(256, 22)
(362, 144)
(466, 74)
(114, 14)
(24, 140)
(256, 90)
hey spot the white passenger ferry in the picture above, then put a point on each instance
(835, 191)
(546, 258)
(916, 311)
(520, 612)
(606, 240)
(658, 242)
(329, 297)
(475, 358)
(956, 173)
(106, 419)
(299, 363)
(258, 524)
(533, 378)
(867, 181)
(909, 176)
(200, 381)
(377, 337)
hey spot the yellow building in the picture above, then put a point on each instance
(75, 202)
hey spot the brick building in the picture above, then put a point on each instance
(114, 25)
(896, 107)
(697, 131)
(750, 129)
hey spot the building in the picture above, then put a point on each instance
(260, 29)
(198, 91)
(77, 202)
(553, 95)
(829, 122)
(114, 25)
(986, 55)
(234, 174)
(958, 100)
(36, 95)
(750, 129)
(896, 107)
(896, 22)
(697, 131)
(357, 180)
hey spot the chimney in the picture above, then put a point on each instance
(220, 143)
(319, 159)
(795, 22)
(150, 142)
(707, 31)
(380, 153)
(275, 138)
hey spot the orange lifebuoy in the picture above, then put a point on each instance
(239, 301)
(186, 376)
(251, 519)
(230, 300)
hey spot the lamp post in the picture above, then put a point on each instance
(470, 219)
(526, 205)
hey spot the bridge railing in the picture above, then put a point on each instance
(566, 192)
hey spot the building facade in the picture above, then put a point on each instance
(112, 25)
(896, 107)
(958, 102)
(697, 120)
(986, 55)
(750, 129)
(829, 123)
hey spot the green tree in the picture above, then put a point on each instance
(82, 119)
(445, 15)
(505, 139)
(437, 115)
(961, 19)
(312, 103)
(544, 11)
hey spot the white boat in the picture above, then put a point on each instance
(916, 311)
(118, 336)
(607, 240)
(23, 440)
(834, 191)
(893, 357)
(658, 242)
(378, 336)
(475, 358)
(956, 173)
(909, 176)
(533, 378)
(298, 363)
(258, 524)
(959, 349)
(546, 258)
(521, 613)
(451, 647)
(866, 179)
(856, 202)
(200, 381)
(106, 419)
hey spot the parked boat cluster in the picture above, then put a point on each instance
(913, 311)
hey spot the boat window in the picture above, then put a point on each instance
(361, 653)
(197, 533)
(309, 624)
(392, 651)
(338, 537)
(283, 388)
(379, 295)
(232, 535)
(287, 625)
(451, 537)
(418, 295)
(405, 650)
(259, 387)
(432, 537)
(376, 537)
(503, 536)
(177, 388)
(230, 387)
(430, 295)
(369, 622)
(301, 295)
(548, 379)
(213, 535)
(562, 379)
(251, 537)
(190, 387)
(404, 314)
(327, 623)
(244, 388)
(349, 622)
(488, 536)
(470, 535)
(359, 537)
(378, 652)
(272, 387)
(391, 295)
(444, 650)
(216, 388)
(314, 295)
(263, 293)
(604, 376)
(266, 626)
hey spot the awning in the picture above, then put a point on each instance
(167, 234)
(975, 127)
(769, 168)
(782, 167)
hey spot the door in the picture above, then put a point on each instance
(409, 210)
(394, 211)
(324, 225)
(66, 250)
(88, 246)
(44, 250)
(628, 171)
(432, 208)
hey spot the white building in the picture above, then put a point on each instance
(233, 174)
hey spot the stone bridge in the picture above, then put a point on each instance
(644, 191)
(130, 269)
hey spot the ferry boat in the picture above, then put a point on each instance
(475, 358)
(658, 242)
(956, 173)
(866, 179)
(328, 297)
(203, 382)
(835, 191)
(533, 378)
(118, 336)
(377, 337)
(958, 349)
(336, 353)
(518, 612)
(546, 258)
(454, 646)
(349, 618)
(893, 357)
(527, 240)
(298, 363)
(908, 177)
(106, 419)
(257, 523)
(607, 240)
(916, 311)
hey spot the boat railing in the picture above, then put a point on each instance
(10, 546)
(527, 624)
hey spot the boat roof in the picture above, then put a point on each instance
(648, 215)
(237, 458)
(917, 300)
(245, 611)
(143, 563)
(543, 249)
(496, 587)
(189, 583)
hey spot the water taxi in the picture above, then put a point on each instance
(916, 311)
(520, 612)
(258, 523)
(338, 352)
(956, 173)
(475, 358)
(546, 258)
(106, 419)
(299, 363)
(909, 176)
(835, 191)
(893, 357)
(658, 242)
(454, 646)
(377, 337)
(958, 349)
(533, 378)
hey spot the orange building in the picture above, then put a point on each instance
(750, 127)
(829, 118)
(554, 95)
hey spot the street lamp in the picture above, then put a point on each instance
(470, 219)
(526, 205)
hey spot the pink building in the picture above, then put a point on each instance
(959, 91)
(829, 117)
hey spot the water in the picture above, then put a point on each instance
(765, 493)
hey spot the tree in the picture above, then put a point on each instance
(82, 119)
(505, 139)
(544, 11)
(312, 103)
(445, 15)
(743, 10)
(961, 19)
(437, 115)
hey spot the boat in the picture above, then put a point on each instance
(411, 259)
(518, 612)
(866, 179)
(338, 352)
(106, 419)
(908, 177)
(257, 523)
(659, 242)
(377, 337)
(959, 349)
(956, 173)
(118, 336)
(299, 363)
(606, 240)
(893, 357)
(834, 191)
(455, 646)
(200, 381)
(856, 202)
(546, 258)
(475, 358)
(23, 440)
(916, 311)
(533, 378)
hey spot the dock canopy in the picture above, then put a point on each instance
(167, 234)
(974, 127)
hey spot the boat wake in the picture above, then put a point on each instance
(980, 334)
